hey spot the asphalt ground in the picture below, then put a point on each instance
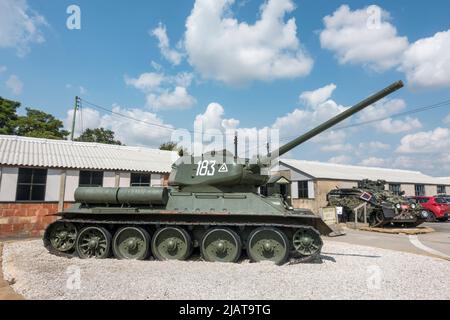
(432, 244)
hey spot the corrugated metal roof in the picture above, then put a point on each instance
(322, 170)
(22, 151)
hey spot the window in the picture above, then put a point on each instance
(140, 180)
(395, 188)
(420, 190)
(303, 190)
(422, 200)
(91, 179)
(31, 184)
(441, 190)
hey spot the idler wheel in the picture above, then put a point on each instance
(131, 243)
(62, 236)
(307, 242)
(221, 245)
(93, 242)
(268, 244)
(171, 243)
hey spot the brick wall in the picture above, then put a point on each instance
(26, 219)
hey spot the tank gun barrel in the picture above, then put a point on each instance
(339, 118)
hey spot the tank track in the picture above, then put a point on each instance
(315, 258)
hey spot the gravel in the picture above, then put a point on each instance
(343, 272)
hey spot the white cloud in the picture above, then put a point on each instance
(427, 61)
(374, 162)
(429, 142)
(19, 26)
(385, 108)
(14, 84)
(3, 69)
(319, 108)
(179, 98)
(313, 98)
(171, 55)
(128, 131)
(374, 146)
(399, 126)
(164, 92)
(146, 81)
(340, 147)
(342, 159)
(363, 36)
(83, 90)
(222, 48)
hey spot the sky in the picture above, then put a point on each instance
(251, 66)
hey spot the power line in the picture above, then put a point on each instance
(148, 123)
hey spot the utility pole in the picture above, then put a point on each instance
(235, 145)
(77, 105)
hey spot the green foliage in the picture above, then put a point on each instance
(99, 135)
(8, 114)
(172, 146)
(39, 124)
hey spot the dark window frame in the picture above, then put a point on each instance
(419, 190)
(303, 189)
(139, 183)
(441, 189)
(31, 184)
(395, 188)
(91, 178)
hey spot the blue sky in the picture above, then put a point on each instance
(230, 73)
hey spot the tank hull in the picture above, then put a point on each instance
(241, 213)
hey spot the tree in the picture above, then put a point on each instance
(99, 135)
(39, 124)
(172, 146)
(8, 109)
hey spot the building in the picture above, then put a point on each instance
(39, 176)
(311, 181)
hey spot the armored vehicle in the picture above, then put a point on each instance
(212, 205)
(383, 207)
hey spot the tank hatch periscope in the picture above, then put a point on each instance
(211, 205)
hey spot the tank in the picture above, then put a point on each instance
(211, 205)
(383, 207)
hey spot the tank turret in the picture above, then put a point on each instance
(222, 170)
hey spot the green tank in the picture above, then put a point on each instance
(212, 205)
(383, 207)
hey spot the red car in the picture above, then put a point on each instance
(437, 207)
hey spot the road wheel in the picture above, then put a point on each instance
(307, 243)
(171, 243)
(221, 245)
(62, 236)
(376, 219)
(131, 243)
(93, 242)
(268, 244)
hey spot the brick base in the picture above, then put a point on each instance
(26, 219)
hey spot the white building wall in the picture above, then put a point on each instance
(53, 185)
(448, 189)
(125, 179)
(8, 184)
(430, 190)
(72, 182)
(156, 180)
(109, 179)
